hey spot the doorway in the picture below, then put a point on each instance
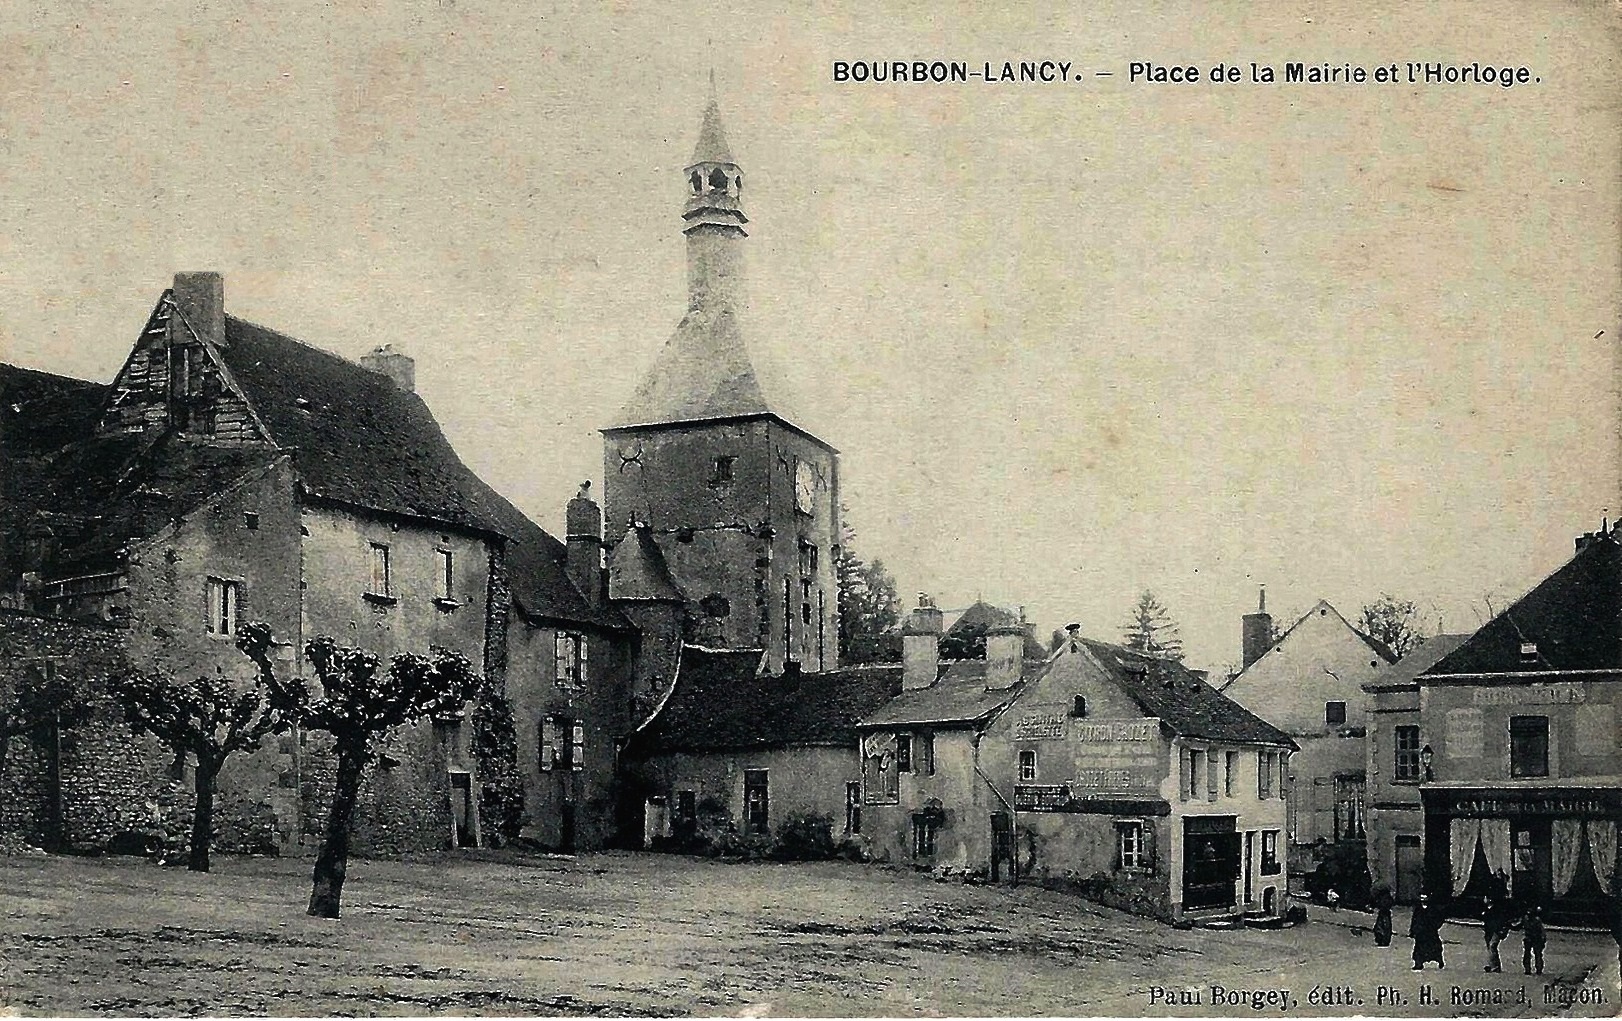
(1211, 853)
(1249, 866)
(756, 801)
(1410, 869)
(464, 814)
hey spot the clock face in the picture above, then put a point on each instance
(805, 487)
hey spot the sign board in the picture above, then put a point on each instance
(1542, 694)
(1128, 732)
(1464, 734)
(1041, 727)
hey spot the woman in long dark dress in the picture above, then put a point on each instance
(1426, 930)
(1383, 902)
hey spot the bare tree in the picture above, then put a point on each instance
(207, 719)
(1396, 622)
(361, 705)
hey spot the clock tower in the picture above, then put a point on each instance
(740, 502)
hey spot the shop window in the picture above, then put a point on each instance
(1129, 849)
(1406, 767)
(1027, 764)
(1270, 862)
(1334, 714)
(570, 659)
(224, 598)
(903, 753)
(1528, 746)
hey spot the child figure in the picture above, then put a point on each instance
(1533, 940)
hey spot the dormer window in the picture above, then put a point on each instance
(1529, 652)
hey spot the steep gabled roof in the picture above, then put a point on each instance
(1573, 618)
(703, 373)
(1185, 704)
(637, 570)
(719, 702)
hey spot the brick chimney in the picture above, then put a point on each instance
(200, 297)
(583, 522)
(1005, 656)
(385, 361)
(1257, 631)
(921, 645)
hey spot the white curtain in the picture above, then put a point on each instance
(1463, 835)
(1568, 849)
(1602, 849)
(1495, 842)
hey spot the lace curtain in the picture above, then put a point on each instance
(1495, 842)
(1463, 835)
(1602, 849)
(1568, 851)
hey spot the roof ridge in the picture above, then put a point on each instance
(278, 334)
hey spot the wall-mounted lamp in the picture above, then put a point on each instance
(1426, 757)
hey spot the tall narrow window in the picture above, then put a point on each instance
(1027, 764)
(570, 659)
(1129, 845)
(444, 575)
(1406, 767)
(1264, 774)
(1270, 863)
(380, 570)
(926, 753)
(1230, 778)
(788, 619)
(903, 753)
(1528, 746)
(223, 599)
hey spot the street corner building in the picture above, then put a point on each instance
(1513, 751)
(1308, 682)
(231, 473)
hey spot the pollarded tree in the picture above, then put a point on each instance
(208, 719)
(361, 705)
(1151, 629)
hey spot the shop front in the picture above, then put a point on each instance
(1210, 862)
(1556, 845)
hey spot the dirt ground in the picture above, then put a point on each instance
(666, 935)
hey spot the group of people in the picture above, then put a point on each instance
(1500, 915)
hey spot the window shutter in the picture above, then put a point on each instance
(580, 643)
(577, 746)
(549, 742)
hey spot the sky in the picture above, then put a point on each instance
(1073, 340)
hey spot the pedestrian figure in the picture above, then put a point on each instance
(1426, 931)
(1495, 923)
(1333, 898)
(1533, 940)
(1383, 902)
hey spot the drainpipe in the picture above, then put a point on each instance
(1013, 816)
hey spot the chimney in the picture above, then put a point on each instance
(583, 522)
(1073, 636)
(1005, 656)
(1257, 630)
(921, 645)
(200, 297)
(385, 361)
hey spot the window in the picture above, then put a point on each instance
(549, 743)
(224, 598)
(805, 600)
(756, 802)
(808, 558)
(445, 575)
(1334, 714)
(1528, 746)
(903, 753)
(1264, 774)
(715, 605)
(1129, 851)
(1406, 767)
(571, 659)
(1211, 776)
(1270, 864)
(925, 828)
(250, 520)
(1079, 709)
(1349, 794)
(380, 571)
(723, 468)
(926, 753)
(1196, 775)
(686, 806)
(853, 806)
(1027, 764)
(577, 745)
(1230, 776)
(1283, 773)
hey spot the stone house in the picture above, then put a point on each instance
(1309, 684)
(1136, 783)
(1396, 824)
(231, 473)
(733, 747)
(1520, 763)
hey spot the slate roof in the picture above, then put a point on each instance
(958, 697)
(712, 144)
(1574, 616)
(637, 570)
(1187, 705)
(88, 496)
(982, 615)
(720, 703)
(1404, 673)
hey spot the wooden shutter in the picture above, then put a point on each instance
(549, 742)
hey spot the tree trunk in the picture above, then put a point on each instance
(202, 821)
(333, 860)
(55, 828)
